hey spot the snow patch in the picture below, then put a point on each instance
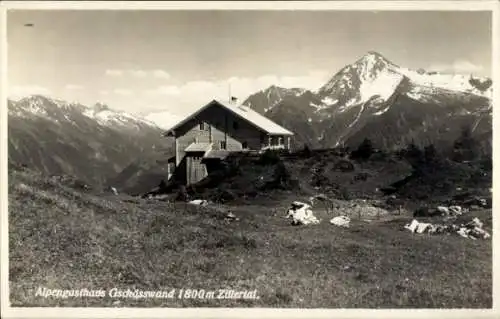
(348, 104)
(452, 82)
(108, 117)
(361, 109)
(299, 92)
(383, 85)
(329, 101)
(382, 111)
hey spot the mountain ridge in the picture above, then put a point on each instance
(362, 92)
(93, 144)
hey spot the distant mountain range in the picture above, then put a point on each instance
(376, 98)
(371, 98)
(92, 143)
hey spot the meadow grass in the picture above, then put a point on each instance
(63, 238)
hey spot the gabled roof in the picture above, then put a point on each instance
(245, 113)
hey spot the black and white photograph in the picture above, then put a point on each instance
(248, 157)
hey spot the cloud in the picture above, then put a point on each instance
(139, 73)
(20, 91)
(114, 72)
(160, 74)
(182, 99)
(122, 92)
(164, 90)
(73, 87)
(458, 66)
(467, 66)
(164, 119)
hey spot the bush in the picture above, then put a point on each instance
(306, 152)
(281, 174)
(344, 194)
(414, 153)
(425, 212)
(223, 196)
(182, 194)
(319, 180)
(344, 166)
(362, 176)
(364, 150)
(481, 86)
(430, 153)
(466, 148)
(269, 157)
(486, 163)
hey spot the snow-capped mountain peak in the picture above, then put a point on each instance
(372, 64)
(372, 77)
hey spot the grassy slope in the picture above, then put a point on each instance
(63, 238)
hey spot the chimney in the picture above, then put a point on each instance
(233, 100)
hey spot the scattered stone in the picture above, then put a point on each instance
(199, 202)
(301, 214)
(443, 210)
(341, 221)
(472, 230)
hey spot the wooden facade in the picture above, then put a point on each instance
(216, 128)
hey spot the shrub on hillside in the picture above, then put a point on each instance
(281, 179)
(486, 162)
(364, 150)
(344, 166)
(414, 153)
(379, 156)
(430, 153)
(269, 157)
(222, 196)
(344, 194)
(425, 212)
(363, 176)
(480, 85)
(319, 180)
(306, 152)
(466, 147)
(182, 194)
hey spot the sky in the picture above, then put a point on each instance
(148, 62)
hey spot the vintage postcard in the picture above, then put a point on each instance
(248, 159)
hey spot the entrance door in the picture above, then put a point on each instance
(196, 170)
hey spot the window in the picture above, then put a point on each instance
(235, 125)
(244, 145)
(223, 145)
(202, 126)
(280, 141)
